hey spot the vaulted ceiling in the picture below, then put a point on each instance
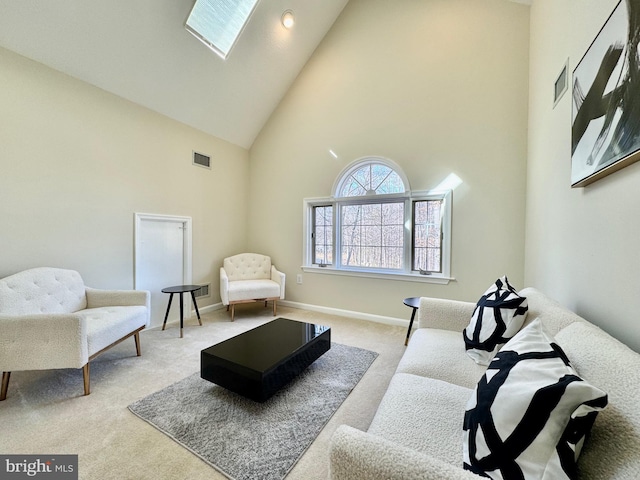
(140, 50)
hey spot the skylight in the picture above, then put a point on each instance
(218, 23)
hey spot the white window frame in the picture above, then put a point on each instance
(408, 197)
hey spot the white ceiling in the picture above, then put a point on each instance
(140, 50)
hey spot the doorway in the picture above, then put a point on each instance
(162, 259)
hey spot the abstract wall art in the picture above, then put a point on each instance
(605, 133)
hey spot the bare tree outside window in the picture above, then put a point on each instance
(427, 236)
(323, 235)
(372, 235)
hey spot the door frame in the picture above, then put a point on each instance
(186, 250)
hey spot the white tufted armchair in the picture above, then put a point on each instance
(49, 319)
(250, 277)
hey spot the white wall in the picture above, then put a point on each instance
(75, 164)
(438, 86)
(581, 244)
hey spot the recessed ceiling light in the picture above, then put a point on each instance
(287, 19)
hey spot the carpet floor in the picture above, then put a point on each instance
(247, 440)
(45, 411)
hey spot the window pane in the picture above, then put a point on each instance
(427, 235)
(392, 257)
(379, 174)
(371, 214)
(323, 235)
(363, 177)
(393, 213)
(419, 235)
(371, 178)
(392, 236)
(373, 235)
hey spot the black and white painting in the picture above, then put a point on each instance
(605, 132)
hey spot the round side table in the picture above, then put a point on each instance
(414, 303)
(181, 289)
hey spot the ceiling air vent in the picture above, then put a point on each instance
(201, 160)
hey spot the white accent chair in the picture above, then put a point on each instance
(250, 277)
(49, 319)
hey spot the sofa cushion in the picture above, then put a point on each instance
(498, 315)
(530, 412)
(423, 414)
(439, 354)
(106, 325)
(253, 289)
(612, 448)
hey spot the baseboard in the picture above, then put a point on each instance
(209, 308)
(398, 322)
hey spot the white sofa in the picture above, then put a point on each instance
(49, 319)
(250, 277)
(417, 430)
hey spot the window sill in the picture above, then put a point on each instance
(406, 277)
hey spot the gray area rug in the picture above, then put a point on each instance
(259, 441)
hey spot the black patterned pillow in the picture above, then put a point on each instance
(498, 315)
(530, 412)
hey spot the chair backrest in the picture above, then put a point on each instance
(42, 290)
(247, 266)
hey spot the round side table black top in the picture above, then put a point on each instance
(181, 289)
(414, 303)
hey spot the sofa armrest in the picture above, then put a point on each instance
(97, 298)
(355, 455)
(444, 314)
(42, 341)
(279, 278)
(224, 286)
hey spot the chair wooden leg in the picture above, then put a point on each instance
(85, 376)
(5, 385)
(233, 311)
(136, 337)
(265, 304)
(274, 307)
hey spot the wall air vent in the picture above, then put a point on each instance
(201, 160)
(561, 83)
(205, 291)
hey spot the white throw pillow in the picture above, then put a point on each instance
(530, 412)
(498, 315)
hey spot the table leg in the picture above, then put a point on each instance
(413, 315)
(181, 314)
(193, 297)
(166, 315)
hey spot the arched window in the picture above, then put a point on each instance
(370, 177)
(374, 224)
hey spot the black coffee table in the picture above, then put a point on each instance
(257, 363)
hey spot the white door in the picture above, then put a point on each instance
(163, 257)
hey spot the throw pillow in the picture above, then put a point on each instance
(530, 412)
(498, 315)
